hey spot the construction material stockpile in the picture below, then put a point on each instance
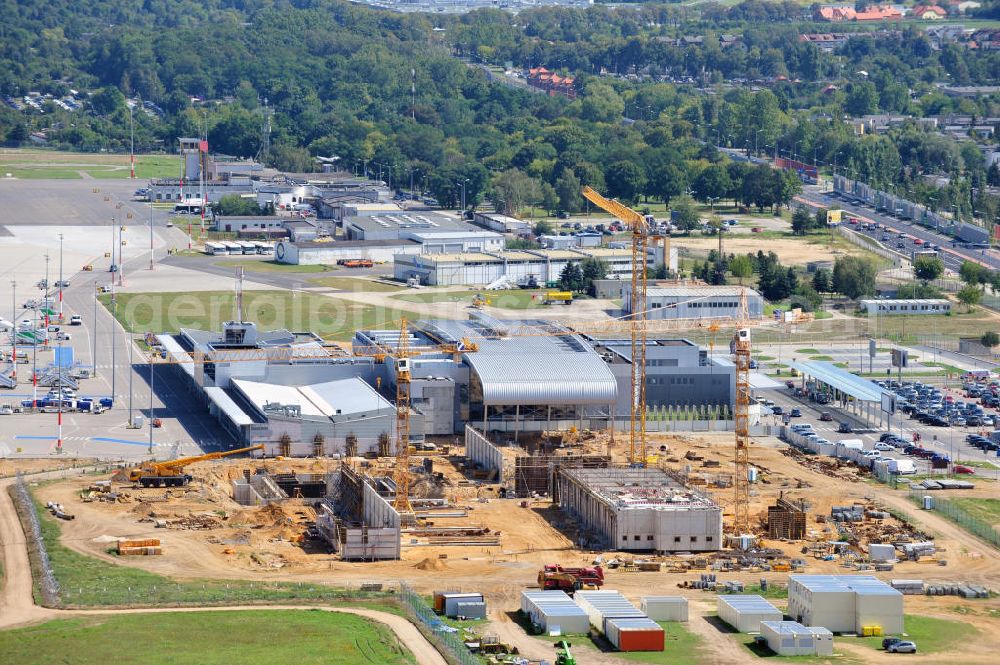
(147, 547)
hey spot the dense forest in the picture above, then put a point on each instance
(338, 79)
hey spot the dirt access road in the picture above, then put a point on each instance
(17, 606)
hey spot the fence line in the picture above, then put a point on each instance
(962, 517)
(448, 642)
(47, 582)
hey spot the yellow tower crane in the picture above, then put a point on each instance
(637, 224)
(401, 473)
(741, 349)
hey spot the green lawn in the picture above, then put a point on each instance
(680, 647)
(274, 266)
(987, 510)
(331, 318)
(260, 637)
(50, 164)
(808, 352)
(88, 582)
(510, 299)
(356, 284)
(931, 635)
(822, 358)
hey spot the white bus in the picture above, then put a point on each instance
(232, 247)
(247, 247)
(264, 247)
(215, 248)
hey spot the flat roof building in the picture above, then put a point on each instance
(746, 613)
(678, 373)
(644, 510)
(896, 307)
(845, 603)
(392, 226)
(694, 301)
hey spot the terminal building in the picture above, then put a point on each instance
(678, 373)
(641, 510)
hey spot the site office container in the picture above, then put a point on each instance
(665, 608)
(452, 600)
(746, 612)
(606, 604)
(634, 634)
(551, 609)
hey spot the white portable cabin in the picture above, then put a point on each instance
(790, 638)
(554, 610)
(453, 600)
(606, 604)
(745, 613)
(665, 608)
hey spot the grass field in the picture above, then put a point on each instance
(88, 582)
(274, 266)
(931, 635)
(207, 638)
(680, 647)
(51, 164)
(331, 318)
(356, 284)
(505, 299)
(987, 510)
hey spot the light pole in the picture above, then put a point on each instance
(13, 320)
(462, 184)
(756, 134)
(131, 143)
(128, 338)
(60, 278)
(151, 404)
(711, 203)
(150, 235)
(45, 293)
(93, 335)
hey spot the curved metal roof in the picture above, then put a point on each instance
(545, 378)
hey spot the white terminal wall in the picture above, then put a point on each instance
(687, 528)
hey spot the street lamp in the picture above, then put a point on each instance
(462, 185)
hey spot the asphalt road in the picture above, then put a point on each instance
(953, 253)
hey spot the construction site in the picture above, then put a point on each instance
(541, 497)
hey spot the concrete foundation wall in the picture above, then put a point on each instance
(481, 451)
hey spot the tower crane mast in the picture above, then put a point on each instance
(637, 224)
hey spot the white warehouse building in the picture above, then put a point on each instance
(544, 265)
(698, 301)
(845, 603)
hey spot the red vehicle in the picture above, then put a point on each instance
(918, 241)
(554, 576)
(959, 468)
(356, 263)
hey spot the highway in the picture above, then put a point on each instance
(951, 251)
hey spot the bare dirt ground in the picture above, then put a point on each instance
(13, 466)
(250, 543)
(789, 251)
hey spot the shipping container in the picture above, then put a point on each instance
(606, 604)
(471, 610)
(439, 600)
(634, 634)
(554, 611)
(665, 608)
(452, 600)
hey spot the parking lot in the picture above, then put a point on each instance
(952, 437)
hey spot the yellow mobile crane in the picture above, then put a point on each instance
(171, 473)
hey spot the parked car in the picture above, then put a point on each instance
(961, 468)
(889, 641)
(903, 647)
(62, 284)
(76, 320)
